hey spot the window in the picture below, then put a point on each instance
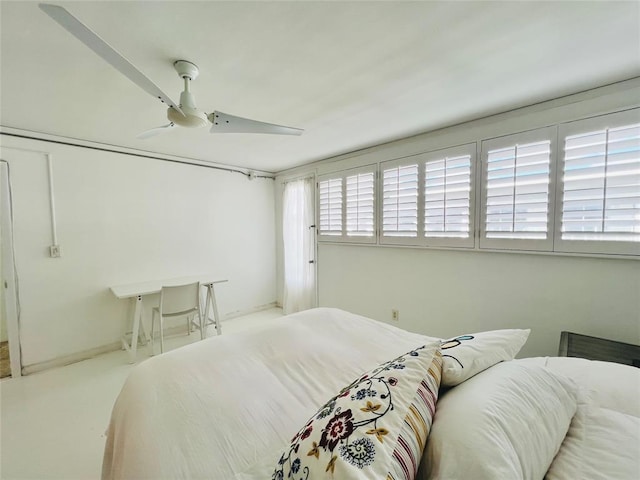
(448, 204)
(567, 188)
(400, 201)
(517, 192)
(427, 199)
(331, 206)
(360, 203)
(347, 206)
(599, 185)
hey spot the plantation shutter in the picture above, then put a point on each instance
(447, 197)
(517, 194)
(347, 206)
(428, 198)
(400, 201)
(601, 194)
(360, 204)
(330, 192)
(600, 185)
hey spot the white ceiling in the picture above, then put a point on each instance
(352, 74)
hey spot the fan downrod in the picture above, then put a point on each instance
(191, 117)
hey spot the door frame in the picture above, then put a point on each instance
(9, 278)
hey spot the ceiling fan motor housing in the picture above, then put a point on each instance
(192, 117)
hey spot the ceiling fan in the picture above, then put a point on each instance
(186, 114)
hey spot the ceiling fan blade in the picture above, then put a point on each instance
(155, 131)
(104, 50)
(224, 123)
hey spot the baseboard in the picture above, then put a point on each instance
(112, 347)
(242, 313)
(69, 359)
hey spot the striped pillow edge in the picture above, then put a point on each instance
(412, 438)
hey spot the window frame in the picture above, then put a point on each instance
(344, 237)
(601, 122)
(421, 159)
(457, 151)
(519, 244)
(479, 146)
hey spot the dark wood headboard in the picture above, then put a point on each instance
(593, 348)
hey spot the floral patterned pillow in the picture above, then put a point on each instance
(376, 427)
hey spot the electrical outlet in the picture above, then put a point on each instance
(55, 251)
(395, 315)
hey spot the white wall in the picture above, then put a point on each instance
(124, 219)
(446, 292)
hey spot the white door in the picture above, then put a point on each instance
(299, 239)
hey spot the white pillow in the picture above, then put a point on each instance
(467, 355)
(507, 422)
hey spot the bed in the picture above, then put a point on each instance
(328, 394)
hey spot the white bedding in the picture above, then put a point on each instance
(225, 407)
(603, 441)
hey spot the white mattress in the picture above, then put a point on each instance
(224, 408)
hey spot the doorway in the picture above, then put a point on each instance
(10, 364)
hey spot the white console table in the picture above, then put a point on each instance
(135, 291)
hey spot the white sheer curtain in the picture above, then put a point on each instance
(299, 246)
